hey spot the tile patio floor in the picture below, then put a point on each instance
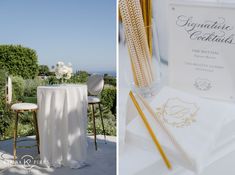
(101, 162)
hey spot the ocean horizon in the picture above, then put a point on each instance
(111, 73)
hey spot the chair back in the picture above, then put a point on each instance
(9, 90)
(95, 84)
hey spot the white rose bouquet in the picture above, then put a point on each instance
(63, 71)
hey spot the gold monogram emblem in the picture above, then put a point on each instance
(178, 113)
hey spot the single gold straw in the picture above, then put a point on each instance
(147, 125)
(149, 27)
(119, 15)
(162, 125)
(146, 6)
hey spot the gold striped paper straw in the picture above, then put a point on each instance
(137, 42)
(140, 39)
(148, 127)
(132, 50)
(143, 36)
(146, 6)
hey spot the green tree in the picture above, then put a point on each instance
(44, 70)
(19, 61)
(109, 80)
(83, 76)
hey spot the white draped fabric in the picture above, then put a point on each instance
(62, 121)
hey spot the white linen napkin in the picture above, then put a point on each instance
(193, 121)
(151, 162)
(223, 147)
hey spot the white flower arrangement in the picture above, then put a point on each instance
(63, 71)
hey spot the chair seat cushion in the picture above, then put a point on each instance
(24, 107)
(92, 99)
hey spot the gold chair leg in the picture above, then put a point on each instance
(102, 122)
(15, 135)
(36, 129)
(94, 128)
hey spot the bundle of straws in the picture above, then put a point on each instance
(137, 42)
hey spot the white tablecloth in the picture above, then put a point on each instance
(62, 121)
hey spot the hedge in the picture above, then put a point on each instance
(19, 60)
(18, 88)
(3, 79)
(110, 80)
(108, 97)
(4, 112)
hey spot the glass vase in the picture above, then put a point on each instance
(152, 88)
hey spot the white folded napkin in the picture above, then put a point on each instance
(222, 149)
(227, 132)
(193, 121)
(150, 162)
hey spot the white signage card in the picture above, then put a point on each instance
(202, 50)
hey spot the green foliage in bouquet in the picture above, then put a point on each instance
(52, 80)
(19, 61)
(78, 77)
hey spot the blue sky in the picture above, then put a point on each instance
(78, 31)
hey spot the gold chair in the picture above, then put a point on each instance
(95, 85)
(19, 108)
